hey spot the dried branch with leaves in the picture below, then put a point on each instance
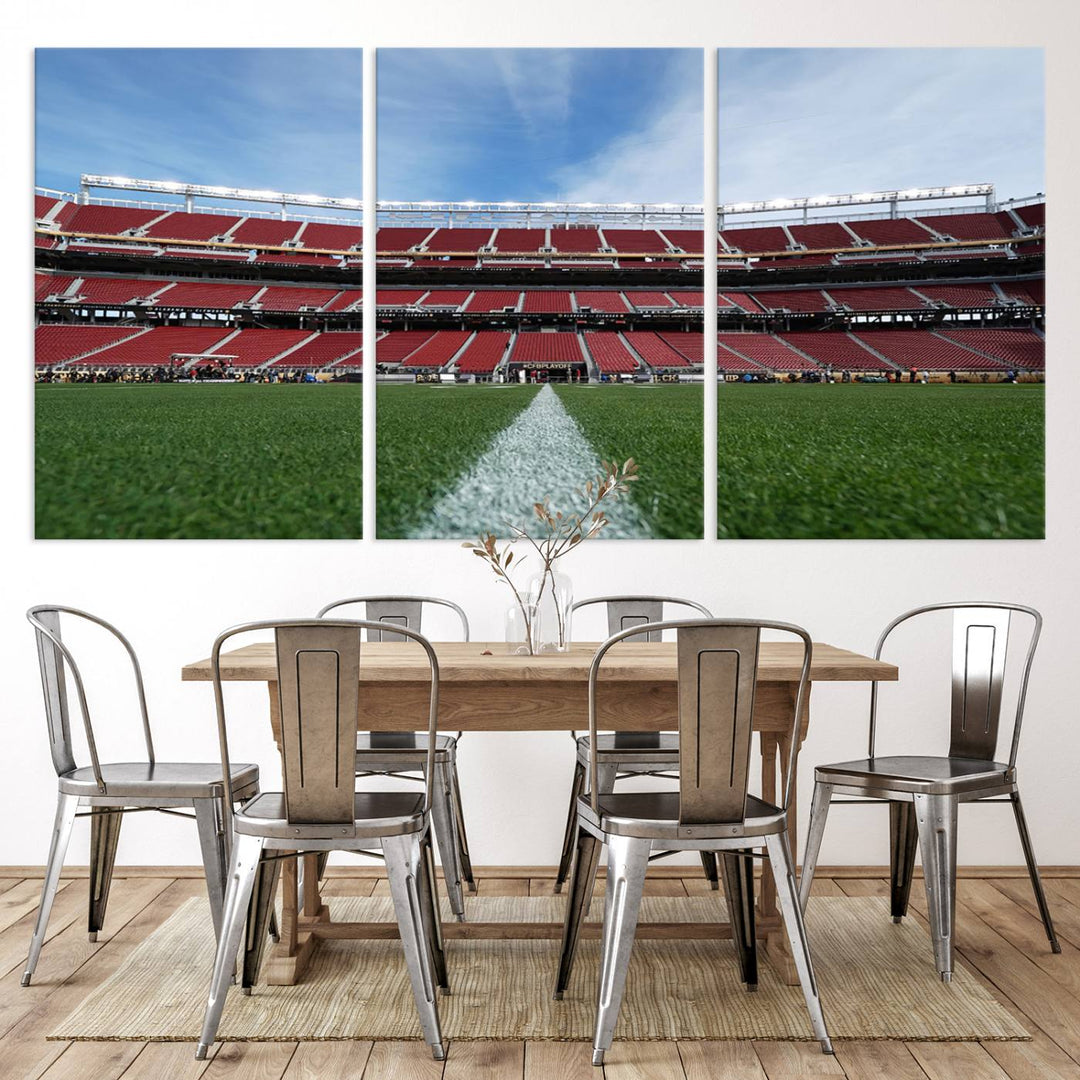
(561, 533)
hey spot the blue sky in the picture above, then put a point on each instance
(279, 119)
(621, 125)
(829, 121)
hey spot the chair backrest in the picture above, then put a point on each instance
(55, 660)
(717, 677)
(980, 640)
(318, 674)
(404, 611)
(624, 612)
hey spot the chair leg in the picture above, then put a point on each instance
(903, 842)
(1033, 871)
(739, 893)
(936, 818)
(606, 775)
(212, 841)
(582, 880)
(712, 873)
(428, 891)
(566, 859)
(628, 860)
(464, 858)
(787, 897)
(104, 836)
(66, 806)
(815, 830)
(259, 913)
(403, 869)
(442, 821)
(246, 856)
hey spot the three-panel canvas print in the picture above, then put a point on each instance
(540, 311)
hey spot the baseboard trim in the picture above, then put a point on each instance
(669, 871)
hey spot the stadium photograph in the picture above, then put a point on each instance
(540, 296)
(197, 320)
(881, 347)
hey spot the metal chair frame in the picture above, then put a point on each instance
(632, 753)
(715, 814)
(117, 789)
(320, 811)
(403, 763)
(924, 793)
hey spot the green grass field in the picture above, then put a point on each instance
(426, 437)
(261, 461)
(429, 436)
(875, 461)
(661, 428)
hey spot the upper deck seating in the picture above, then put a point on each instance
(287, 298)
(397, 298)
(393, 238)
(822, 234)
(215, 295)
(493, 300)
(739, 300)
(181, 225)
(976, 226)
(634, 241)
(692, 241)
(960, 296)
(520, 240)
(899, 230)
(581, 239)
(109, 290)
(762, 238)
(257, 231)
(608, 301)
(330, 236)
(451, 299)
(1033, 215)
(547, 301)
(458, 240)
(791, 299)
(109, 220)
(875, 298)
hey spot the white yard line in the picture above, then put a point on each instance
(542, 452)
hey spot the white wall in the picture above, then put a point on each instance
(172, 598)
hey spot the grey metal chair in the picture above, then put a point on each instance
(924, 793)
(108, 791)
(318, 663)
(712, 811)
(402, 754)
(627, 753)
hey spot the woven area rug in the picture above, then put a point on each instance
(877, 981)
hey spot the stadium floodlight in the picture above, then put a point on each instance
(861, 198)
(194, 191)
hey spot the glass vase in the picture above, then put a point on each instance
(553, 595)
(522, 626)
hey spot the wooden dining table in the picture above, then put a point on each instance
(484, 687)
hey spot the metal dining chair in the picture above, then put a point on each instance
(110, 790)
(712, 811)
(318, 667)
(924, 792)
(402, 754)
(627, 753)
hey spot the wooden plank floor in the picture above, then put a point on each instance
(998, 935)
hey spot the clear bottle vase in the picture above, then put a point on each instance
(553, 595)
(522, 627)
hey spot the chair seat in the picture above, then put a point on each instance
(163, 779)
(375, 813)
(401, 746)
(655, 815)
(633, 748)
(921, 775)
